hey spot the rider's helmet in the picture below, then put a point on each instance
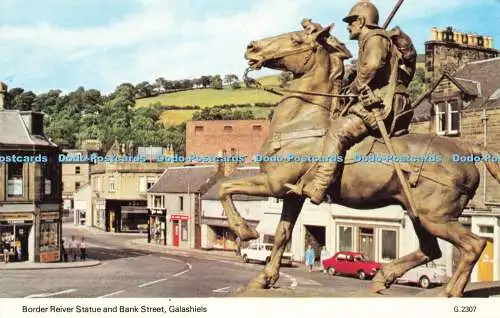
(364, 9)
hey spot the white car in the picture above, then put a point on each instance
(261, 252)
(424, 276)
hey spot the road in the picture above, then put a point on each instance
(136, 271)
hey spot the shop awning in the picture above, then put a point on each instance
(268, 224)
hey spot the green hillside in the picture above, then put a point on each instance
(208, 97)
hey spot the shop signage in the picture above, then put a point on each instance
(47, 257)
(49, 216)
(16, 216)
(178, 217)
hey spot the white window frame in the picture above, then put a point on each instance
(111, 184)
(448, 118)
(396, 248)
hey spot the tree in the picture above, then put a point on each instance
(24, 101)
(205, 81)
(144, 89)
(160, 84)
(285, 78)
(417, 86)
(217, 82)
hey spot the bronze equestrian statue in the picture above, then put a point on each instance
(303, 120)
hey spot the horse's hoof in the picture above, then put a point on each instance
(255, 285)
(444, 293)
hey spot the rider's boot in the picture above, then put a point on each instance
(338, 139)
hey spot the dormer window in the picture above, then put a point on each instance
(447, 117)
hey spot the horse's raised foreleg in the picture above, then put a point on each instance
(429, 250)
(271, 272)
(256, 185)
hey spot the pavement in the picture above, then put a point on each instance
(472, 290)
(54, 265)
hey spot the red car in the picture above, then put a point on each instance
(351, 263)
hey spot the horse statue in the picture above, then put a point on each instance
(440, 189)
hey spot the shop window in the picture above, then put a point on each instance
(389, 245)
(77, 170)
(345, 238)
(15, 179)
(184, 230)
(488, 229)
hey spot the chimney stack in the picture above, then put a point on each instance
(434, 34)
(3, 91)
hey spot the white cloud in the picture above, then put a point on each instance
(160, 40)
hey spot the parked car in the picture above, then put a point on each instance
(351, 263)
(261, 252)
(425, 276)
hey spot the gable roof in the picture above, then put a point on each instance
(213, 191)
(479, 79)
(191, 179)
(18, 134)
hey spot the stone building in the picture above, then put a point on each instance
(30, 191)
(175, 205)
(466, 105)
(232, 137)
(119, 201)
(448, 49)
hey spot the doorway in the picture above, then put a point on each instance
(315, 236)
(485, 263)
(366, 245)
(175, 234)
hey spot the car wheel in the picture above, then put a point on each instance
(331, 271)
(245, 259)
(424, 282)
(361, 275)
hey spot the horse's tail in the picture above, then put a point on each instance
(490, 160)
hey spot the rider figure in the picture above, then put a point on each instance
(377, 75)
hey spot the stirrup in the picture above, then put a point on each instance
(295, 188)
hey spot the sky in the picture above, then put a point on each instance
(54, 44)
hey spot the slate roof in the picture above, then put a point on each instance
(478, 79)
(185, 179)
(15, 132)
(212, 193)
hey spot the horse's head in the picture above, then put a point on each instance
(297, 51)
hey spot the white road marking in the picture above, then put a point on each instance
(66, 291)
(152, 282)
(171, 259)
(112, 294)
(294, 281)
(222, 290)
(184, 271)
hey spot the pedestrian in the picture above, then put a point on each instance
(83, 249)
(72, 249)
(324, 255)
(19, 251)
(6, 255)
(310, 257)
(238, 246)
(64, 251)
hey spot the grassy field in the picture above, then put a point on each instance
(209, 97)
(178, 116)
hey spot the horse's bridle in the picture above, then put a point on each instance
(251, 81)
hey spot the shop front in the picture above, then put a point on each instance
(180, 229)
(49, 237)
(133, 219)
(217, 234)
(15, 230)
(157, 227)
